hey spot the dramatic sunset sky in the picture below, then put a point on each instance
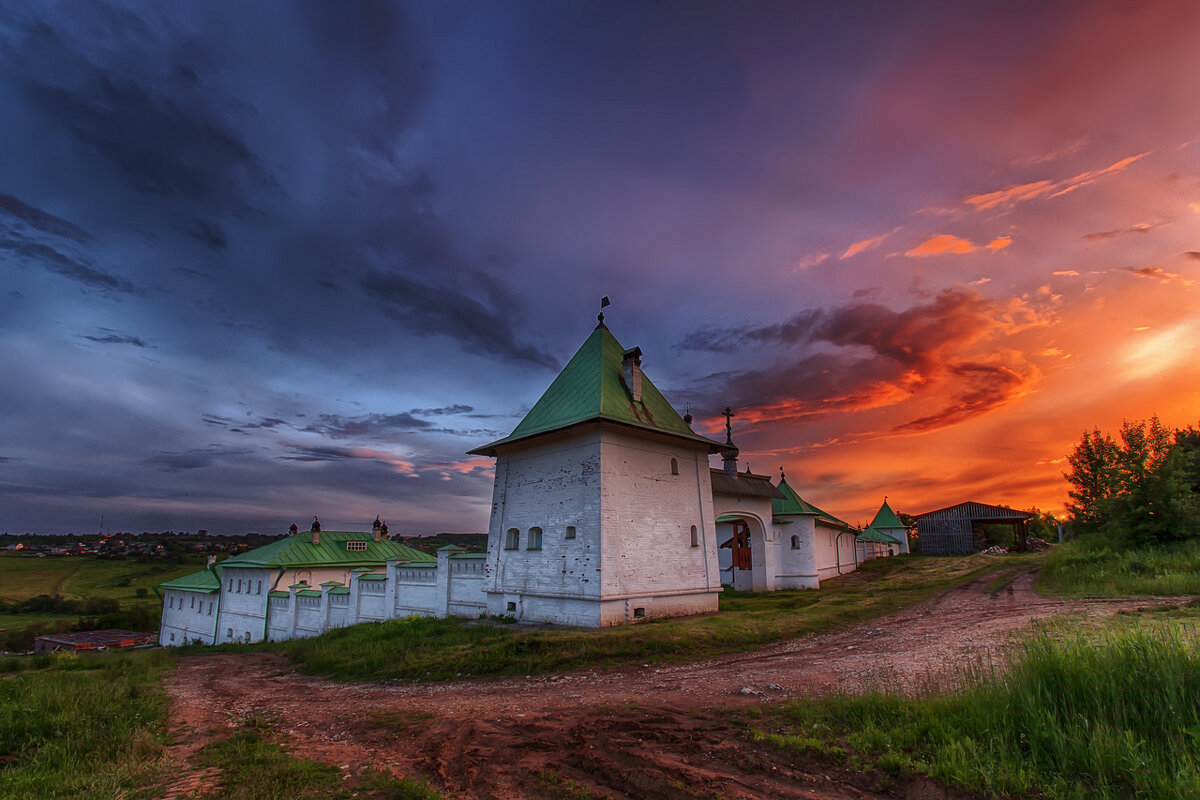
(274, 259)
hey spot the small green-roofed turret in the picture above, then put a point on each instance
(792, 504)
(886, 518)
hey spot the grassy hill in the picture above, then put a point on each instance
(129, 582)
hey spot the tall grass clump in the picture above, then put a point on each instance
(89, 726)
(1109, 719)
(1100, 566)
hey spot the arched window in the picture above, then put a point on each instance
(674, 466)
(535, 539)
(795, 542)
(570, 532)
(695, 537)
(511, 539)
(229, 634)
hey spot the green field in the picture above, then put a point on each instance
(80, 578)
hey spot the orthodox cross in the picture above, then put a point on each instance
(729, 415)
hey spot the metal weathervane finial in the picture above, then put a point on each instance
(604, 303)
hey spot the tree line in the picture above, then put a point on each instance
(1142, 486)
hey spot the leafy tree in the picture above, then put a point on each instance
(1144, 488)
(1153, 501)
(1093, 465)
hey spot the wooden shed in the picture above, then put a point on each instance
(952, 531)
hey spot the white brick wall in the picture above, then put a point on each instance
(632, 519)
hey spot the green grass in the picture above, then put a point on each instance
(421, 648)
(1071, 719)
(255, 769)
(89, 726)
(1096, 567)
(85, 576)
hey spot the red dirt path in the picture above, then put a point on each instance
(657, 731)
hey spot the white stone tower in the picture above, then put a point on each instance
(602, 506)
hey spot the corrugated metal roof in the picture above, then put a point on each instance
(591, 388)
(299, 551)
(886, 518)
(744, 485)
(202, 581)
(978, 511)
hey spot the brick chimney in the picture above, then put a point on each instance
(316, 531)
(376, 528)
(631, 372)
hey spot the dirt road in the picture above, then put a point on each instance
(654, 731)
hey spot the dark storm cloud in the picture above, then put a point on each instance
(53, 260)
(162, 146)
(977, 389)
(910, 337)
(484, 324)
(337, 427)
(42, 220)
(108, 336)
(438, 412)
(885, 358)
(308, 453)
(209, 234)
(190, 459)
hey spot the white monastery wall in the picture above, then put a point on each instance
(243, 604)
(188, 617)
(797, 555)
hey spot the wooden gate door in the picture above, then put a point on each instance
(741, 546)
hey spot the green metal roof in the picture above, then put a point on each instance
(793, 503)
(590, 388)
(873, 534)
(299, 551)
(886, 518)
(202, 581)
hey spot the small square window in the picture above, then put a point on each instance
(570, 532)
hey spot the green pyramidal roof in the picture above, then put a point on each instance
(793, 503)
(873, 534)
(886, 518)
(202, 581)
(591, 388)
(299, 551)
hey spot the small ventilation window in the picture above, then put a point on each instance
(512, 606)
(535, 539)
(674, 466)
(695, 537)
(172, 637)
(795, 542)
(511, 539)
(570, 532)
(355, 546)
(639, 613)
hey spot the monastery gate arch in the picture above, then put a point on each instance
(741, 549)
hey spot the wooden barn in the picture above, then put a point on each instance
(955, 530)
